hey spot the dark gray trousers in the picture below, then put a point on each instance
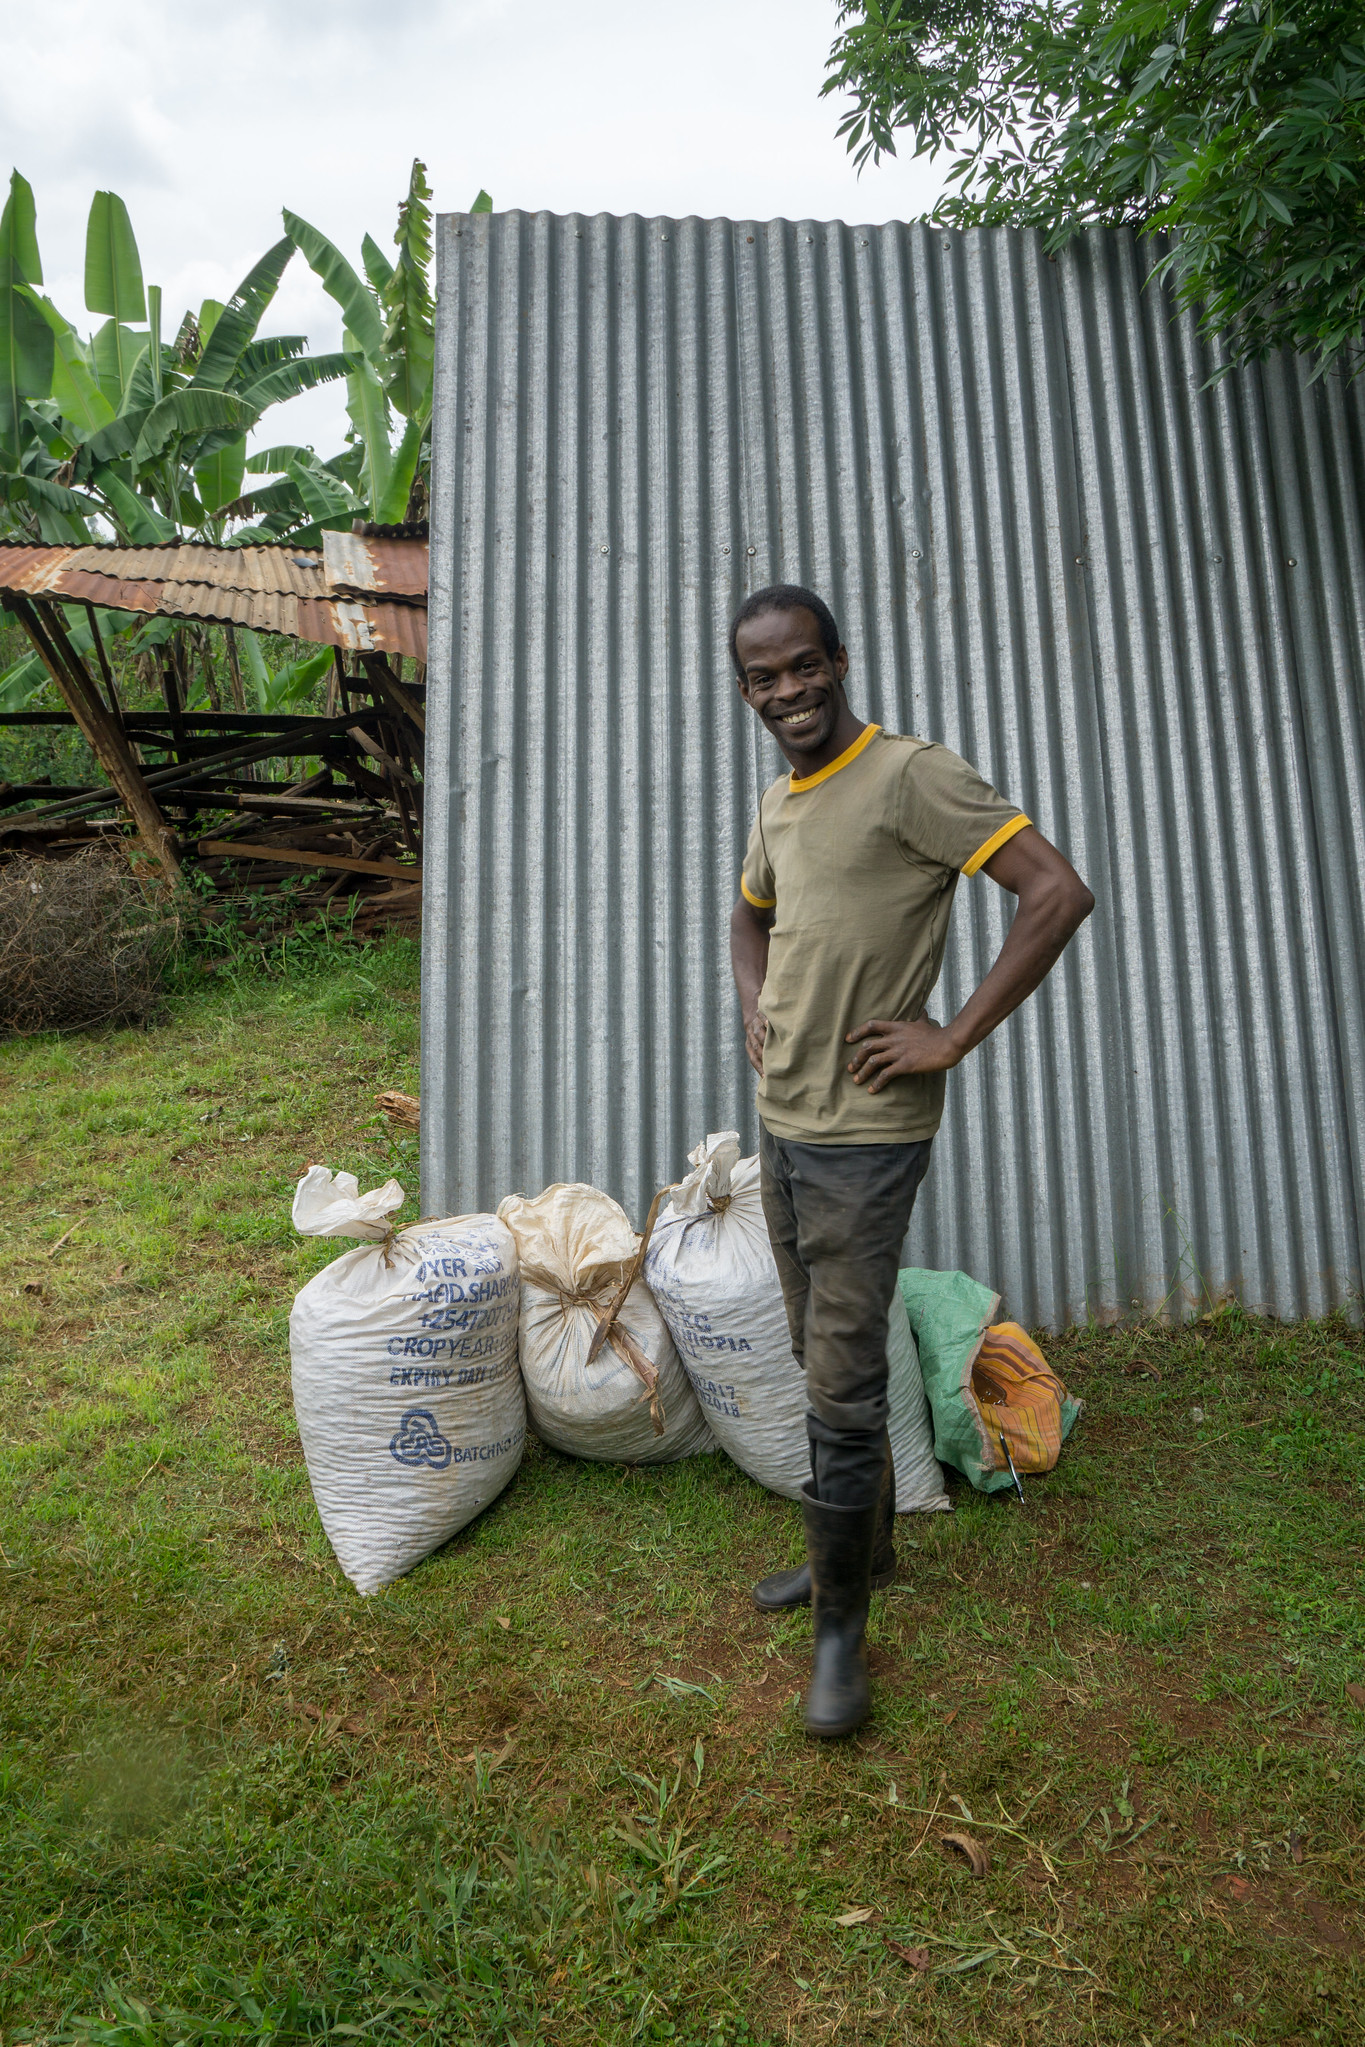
(837, 1216)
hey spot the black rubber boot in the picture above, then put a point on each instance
(839, 1544)
(785, 1589)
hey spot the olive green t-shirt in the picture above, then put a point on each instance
(859, 863)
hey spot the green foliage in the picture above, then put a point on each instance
(390, 343)
(235, 325)
(1236, 125)
(113, 267)
(406, 298)
(218, 476)
(340, 282)
(26, 346)
(22, 679)
(146, 438)
(390, 346)
(289, 685)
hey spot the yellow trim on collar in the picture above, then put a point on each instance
(850, 753)
(759, 902)
(995, 842)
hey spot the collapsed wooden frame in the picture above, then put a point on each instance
(355, 821)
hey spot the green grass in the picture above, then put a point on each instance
(552, 1786)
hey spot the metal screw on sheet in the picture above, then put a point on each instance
(751, 550)
(606, 550)
(914, 554)
(1080, 561)
(1293, 563)
(1217, 561)
(725, 550)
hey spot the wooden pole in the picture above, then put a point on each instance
(114, 705)
(44, 627)
(234, 669)
(386, 683)
(337, 699)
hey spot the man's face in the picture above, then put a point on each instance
(793, 684)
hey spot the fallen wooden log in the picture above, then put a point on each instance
(403, 1110)
(236, 849)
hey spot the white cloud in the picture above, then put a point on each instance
(208, 120)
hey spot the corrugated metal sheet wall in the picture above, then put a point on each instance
(1136, 605)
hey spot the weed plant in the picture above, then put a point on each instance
(552, 1785)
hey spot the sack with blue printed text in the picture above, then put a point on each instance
(406, 1385)
(710, 1268)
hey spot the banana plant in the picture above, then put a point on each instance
(22, 682)
(286, 687)
(383, 472)
(143, 437)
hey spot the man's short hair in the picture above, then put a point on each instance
(785, 597)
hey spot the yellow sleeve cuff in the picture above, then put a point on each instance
(759, 902)
(995, 842)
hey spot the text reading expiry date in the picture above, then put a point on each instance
(441, 1375)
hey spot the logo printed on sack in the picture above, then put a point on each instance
(419, 1441)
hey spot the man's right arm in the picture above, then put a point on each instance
(749, 930)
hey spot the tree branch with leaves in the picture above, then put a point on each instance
(1235, 126)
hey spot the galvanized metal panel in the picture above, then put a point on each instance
(1136, 603)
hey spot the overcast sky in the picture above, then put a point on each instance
(208, 119)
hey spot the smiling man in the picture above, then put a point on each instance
(836, 942)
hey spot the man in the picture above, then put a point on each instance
(836, 942)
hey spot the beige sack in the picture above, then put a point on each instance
(633, 1404)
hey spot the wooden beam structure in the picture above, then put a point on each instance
(43, 624)
(234, 849)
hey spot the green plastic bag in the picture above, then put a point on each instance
(950, 1313)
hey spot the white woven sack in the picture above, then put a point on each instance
(710, 1267)
(406, 1388)
(633, 1403)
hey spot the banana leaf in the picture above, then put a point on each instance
(79, 398)
(273, 461)
(113, 268)
(340, 282)
(116, 351)
(190, 413)
(325, 499)
(219, 475)
(392, 507)
(144, 525)
(369, 413)
(292, 377)
(237, 323)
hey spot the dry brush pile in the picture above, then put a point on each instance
(83, 942)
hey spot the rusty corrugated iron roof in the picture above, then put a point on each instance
(369, 596)
(371, 565)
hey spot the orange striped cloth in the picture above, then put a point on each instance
(1019, 1397)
